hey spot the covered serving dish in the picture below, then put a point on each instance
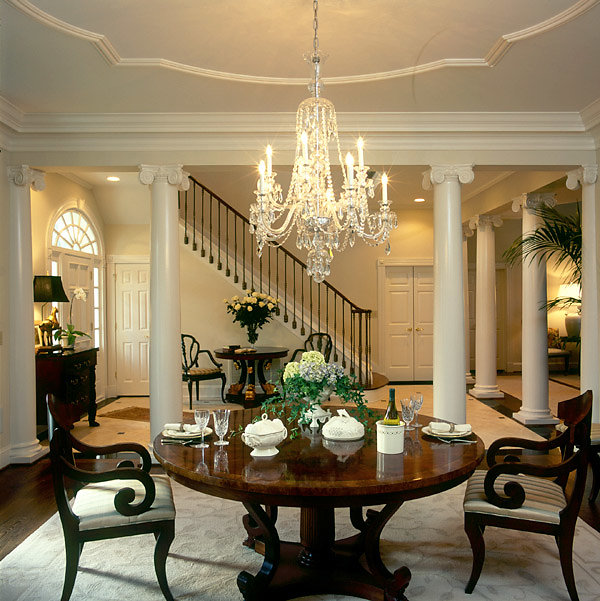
(343, 427)
(264, 435)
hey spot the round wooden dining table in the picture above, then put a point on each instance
(318, 476)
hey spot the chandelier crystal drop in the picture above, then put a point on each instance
(323, 222)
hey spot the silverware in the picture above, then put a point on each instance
(451, 440)
(176, 441)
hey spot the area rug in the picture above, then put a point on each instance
(135, 414)
(426, 535)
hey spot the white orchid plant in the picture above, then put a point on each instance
(252, 311)
(70, 332)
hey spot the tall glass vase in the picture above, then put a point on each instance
(252, 333)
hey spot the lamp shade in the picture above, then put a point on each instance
(48, 288)
(569, 290)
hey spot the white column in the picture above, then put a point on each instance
(586, 177)
(486, 385)
(467, 233)
(166, 402)
(24, 446)
(535, 408)
(449, 387)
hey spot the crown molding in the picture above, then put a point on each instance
(590, 115)
(10, 115)
(496, 53)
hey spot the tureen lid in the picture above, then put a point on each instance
(265, 426)
(343, 427)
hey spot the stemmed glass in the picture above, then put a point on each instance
(221, 421)
(408, 412)
(201, 416)
(417, 403)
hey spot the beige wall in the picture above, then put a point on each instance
(127, 239)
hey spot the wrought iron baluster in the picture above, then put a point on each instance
(335, 350)
(269, 269)
(251, 264)
(343, 335)
(244, 282)
(227, 270)
(194, 244)
(203, 250)
(294, 322)
(319, 329)
(260, 272)
(286, 317)
(186, 238)
(302, 329)
(211, 258)
(236, 278)
(219, 264)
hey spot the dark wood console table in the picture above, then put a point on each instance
(71, 375)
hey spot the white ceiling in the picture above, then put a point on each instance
(235, 55)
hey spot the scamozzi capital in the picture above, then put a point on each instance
(483, 221)
(584, 175)
(467, 230)
(438, 174)
(23, 175)
(173, 174)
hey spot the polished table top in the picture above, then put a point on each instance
(261, 352)
(309, 470)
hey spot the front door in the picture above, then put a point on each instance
(133, 328)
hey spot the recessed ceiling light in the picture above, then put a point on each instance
(113, 178)
(419, 200)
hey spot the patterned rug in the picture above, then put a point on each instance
(135, 414)
(206, 556)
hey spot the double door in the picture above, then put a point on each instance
(407, 323)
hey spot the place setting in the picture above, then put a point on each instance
(448, 432)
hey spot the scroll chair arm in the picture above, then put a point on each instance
(125, 497)
(515, 494)
(296, 352)
(116, 448)
(215, 363)
(522, 443)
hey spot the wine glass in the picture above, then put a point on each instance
(408, 412)
(201, 416)
(221, 460)
(417, 402)
(221, 421)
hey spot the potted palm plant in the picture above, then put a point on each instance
(558, 238)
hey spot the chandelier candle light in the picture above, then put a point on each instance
(323, 223)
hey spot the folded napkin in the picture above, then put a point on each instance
(176, 426)
(189, 428)
(444, 428)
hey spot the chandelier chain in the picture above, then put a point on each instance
(316, 26)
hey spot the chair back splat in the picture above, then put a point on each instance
(109, 503)
(533, 497)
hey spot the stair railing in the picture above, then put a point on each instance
(223, 235)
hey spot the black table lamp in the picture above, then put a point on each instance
(48, 289)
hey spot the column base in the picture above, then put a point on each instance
(540, 418)
(469, 378)
(486, 392)
(28, 453)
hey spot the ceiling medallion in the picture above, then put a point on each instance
(323, 223)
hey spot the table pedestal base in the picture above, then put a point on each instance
(320, 564)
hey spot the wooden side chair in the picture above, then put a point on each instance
(123, 501)
(317, 341)
(595, 462)
(191, 370)
(533, 497)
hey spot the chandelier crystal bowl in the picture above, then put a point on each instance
(325, 222)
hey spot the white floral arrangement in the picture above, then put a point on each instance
(252, 311)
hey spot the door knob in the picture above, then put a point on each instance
(419, 329)
(409, 329)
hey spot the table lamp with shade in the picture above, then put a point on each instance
(48, 289)
(573, 317)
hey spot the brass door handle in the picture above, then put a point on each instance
(419, 329)
(409, 329)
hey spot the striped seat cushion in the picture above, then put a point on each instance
(203, 371)
(95, 503)
(595, 433)
(544, 500)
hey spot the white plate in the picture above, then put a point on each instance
(463, 434)
(179, 434)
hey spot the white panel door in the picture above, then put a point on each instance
(77, 273)
(423, 323)
(133, 328)
(398, 324)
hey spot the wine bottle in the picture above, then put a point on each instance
(392, 417)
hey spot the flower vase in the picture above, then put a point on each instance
(64, 342)
(317, 415)
(252, 333)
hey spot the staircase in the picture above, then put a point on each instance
(221, 235)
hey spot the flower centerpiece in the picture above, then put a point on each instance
(252, 311)
(67, 336)
(311, 381)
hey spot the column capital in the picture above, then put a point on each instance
(438, 174)
(586, 174)
(482, 221)
(173, 174)
(24, 175)
(533, 201)
(467, 231)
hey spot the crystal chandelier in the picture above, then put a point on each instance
(323, 223)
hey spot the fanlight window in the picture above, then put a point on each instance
(73, 231)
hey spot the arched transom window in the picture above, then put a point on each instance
(73, 231)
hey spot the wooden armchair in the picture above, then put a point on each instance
(532, 497)
(124, 501)
(317, 341)
(191, 370)
(595, 462)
